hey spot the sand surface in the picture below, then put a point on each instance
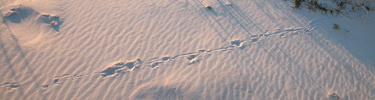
(179, 49)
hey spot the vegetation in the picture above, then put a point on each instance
(297, 3)
(335, 96)
(336, 26)
(209, 7)
(338, 5)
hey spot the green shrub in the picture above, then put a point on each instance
(336, 26)
(297, 3)
(209, 7)
(314, 5)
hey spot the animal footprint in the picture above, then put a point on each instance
(111, 70)
(54, 20)
(14, 85)
(238, 43)
(45, 86)
(254, 39)
(193, 59)
(155, 64)
(119, 67)
(56, 80)
(11, 85)
(165, 58)
(20, 13)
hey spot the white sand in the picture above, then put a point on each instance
(178, 49)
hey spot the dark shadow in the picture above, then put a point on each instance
(13, 46)
(212, 11)
(236, 42)
(112, 70)
(18, 14)
(56, 20)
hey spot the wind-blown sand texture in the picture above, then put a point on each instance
(179, 49)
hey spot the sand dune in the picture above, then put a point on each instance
(179, 49)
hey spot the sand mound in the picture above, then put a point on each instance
(28, 25)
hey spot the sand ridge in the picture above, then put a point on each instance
(179, 49)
